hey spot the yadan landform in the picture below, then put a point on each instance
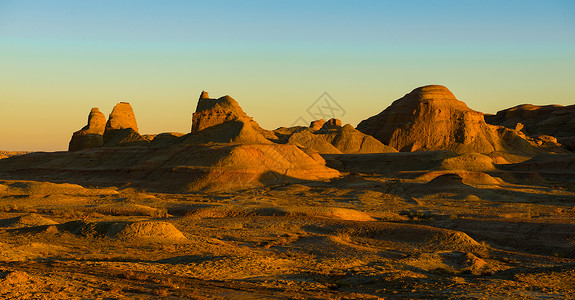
(426, 199)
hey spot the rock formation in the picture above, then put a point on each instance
(350, 141)
(431, 118)
(317, 124)
(121, 128)
(307, 139)
(332, 138)
(331, 124)
(91, 135)
(222, 120)
(539, 121)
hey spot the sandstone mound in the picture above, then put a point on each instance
(38, 188)
(332, 138)
(549, 120)
(121, 128)
(231, 167)
(91, 135)
(451, 262)
(148, 230)
(335, 213)
(154, 231)
(316, 142)
(349, 141)
(214, 112)
(469, 162)
(421, 236)
(179, 167)
(431, 118)
(446, 179)
(28, 220)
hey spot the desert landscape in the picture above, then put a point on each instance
(427, 199)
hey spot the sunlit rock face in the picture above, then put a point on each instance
(431, 118)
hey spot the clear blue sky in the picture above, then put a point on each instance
(60, 58)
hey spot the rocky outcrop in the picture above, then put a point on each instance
(122, 128)
(539, 122)
(222, 120)
(91, 135)
(307, 139)
(431, 118)
(331, 125)
(350, 141)
(332, 138)
(317, 124)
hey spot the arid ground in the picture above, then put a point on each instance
(232, 211)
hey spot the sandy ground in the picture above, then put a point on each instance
(364, 236)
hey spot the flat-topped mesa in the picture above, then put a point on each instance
(91, 135)
(431, 118)
(121, 127)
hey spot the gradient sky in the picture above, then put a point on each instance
(58, 59)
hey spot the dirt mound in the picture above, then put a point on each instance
(91, 135)
(421, 236)
(431, 118)
(156, 231)
(38, 188)
(551, 120)
(27, 220)
(457, 178)
(469, 162)
(451, 262)
(335, 213)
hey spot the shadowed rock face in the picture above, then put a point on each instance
(431, 118)
(91, 135)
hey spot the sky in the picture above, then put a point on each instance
(58, 59)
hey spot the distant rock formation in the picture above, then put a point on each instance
(331, 124)
(317, 124)
(222, 120)
(91, 135)
(121, 128)
(332, 138)
(539, 121)
(350, 141)
(307, 139)
(431, 118)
